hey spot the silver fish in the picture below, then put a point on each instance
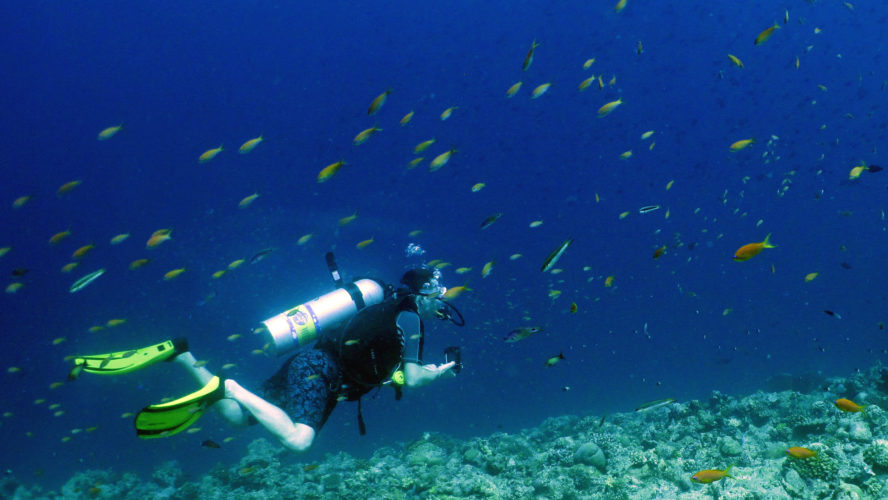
(86, 280)
(553, 257)
(490, 220)
(653, 405)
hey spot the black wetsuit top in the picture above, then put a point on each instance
(343, 365)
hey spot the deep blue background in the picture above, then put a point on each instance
(183, 79)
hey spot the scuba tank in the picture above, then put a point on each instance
(303, 324)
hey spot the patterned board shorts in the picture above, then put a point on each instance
(306, 387)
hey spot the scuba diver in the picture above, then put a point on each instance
(366, 335)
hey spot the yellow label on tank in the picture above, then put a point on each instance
(302, 325)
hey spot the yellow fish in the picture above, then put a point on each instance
(736, 60)
(170, 275)
(609, 281)
(219, 274)
(588, 64)
(478, 187)
(800, 452)
(120, 238)
(625, 155)
(304, 239)
(378, 102)
(348, 219)
(741, 144)
(455, 292)
(96, 328)
(513, 90)
(233, 337)
(235, 263)
(364, 243)
(620, 6)
(4, 251)
(58, 340)
(209, 154)
(528, 60)
(116, 322)
(485, 271)
(58, 237)
(414, 233)
(82, 251)
(20, 201)
(365, 134)
(109, 132)
(67, 268)
(422, 146)
(647, 135)
(406, 119)
(585, 83)
(249, 145)
(810, 277)
(764, 35)
(248, 200)
(138, 263)
(414, 162)
(856, 171)
(463, 270)
(447, 112)
(609, 108)
(540, 90)
(536, 223)
(67, 187)
(441, 160)
(330, 170)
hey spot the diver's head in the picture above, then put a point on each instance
(423, 283)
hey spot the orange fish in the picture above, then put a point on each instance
(800, 452)
(850, 406)
(750, 250)
(158, 237)
(80, 252)
(711, 475)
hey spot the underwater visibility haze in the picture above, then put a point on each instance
(670, 207)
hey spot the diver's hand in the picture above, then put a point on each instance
(446, 369)
(416, 375)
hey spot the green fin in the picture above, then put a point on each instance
(170, 418)
(120, 362)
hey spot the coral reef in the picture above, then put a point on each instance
(638, 455)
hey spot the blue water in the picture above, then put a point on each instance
(184, 79)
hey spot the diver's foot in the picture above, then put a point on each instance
(180, 346)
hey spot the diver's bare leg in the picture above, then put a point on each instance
(229, 409)
(293, 435)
